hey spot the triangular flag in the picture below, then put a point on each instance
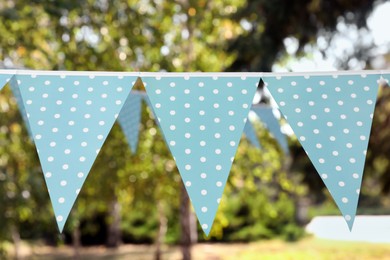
(250, 134)
(18, 97)
(268, 118)
(331, 117)
(70, 117)
(202, 119)
(130, 118)
(386, 78)
(4, 78)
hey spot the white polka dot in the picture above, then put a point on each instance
(332, 138)
(67, 151)
(48, 175)
(50, 158)
(218, 151)
(187, 151)
(158, 91)
(347, 217)
(330, 124)
(232, 128)
(344, 200)
(338, 168)
(82, 159)
(321, 160)
(335, 153)
(203, 192)
(187, 135)
(63, 183)
(172, 127)
(359, 123)
(205, 226)
(187, 105)
(298, 110)
(202, 143)
(245, 106)
(187, 167)
(302, 138)
(244, 91)
(172, 84)
(219, 184)
(203, 159)
(103, 109)
(84, 144)
(187, 91)
(53, 144)
(316, 131)
(172, 143)
(188, 183)
(324, 176)
(75, 96)
(232, 143)
(352, 160)
(80, 175)
(341, 184)
(231, 113)
(203, 175)
(43, 109)
(100, 137)
(187, 120)
(300, 124)
(346, 131)
(76, 83)
(229, 84)
(350, 82)
(349, 145)
(85, 130)
(59, 218)
(218, 167)
(202, 127)
(216, 105)
(86, 116)
(69, 137)
(319, 146)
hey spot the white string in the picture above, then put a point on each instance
(192, 74)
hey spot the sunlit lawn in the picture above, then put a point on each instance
(309, 248)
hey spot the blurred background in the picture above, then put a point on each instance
(143, 211)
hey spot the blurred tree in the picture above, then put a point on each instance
(268, 24)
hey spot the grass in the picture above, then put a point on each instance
(308, 248)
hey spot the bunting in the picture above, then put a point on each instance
(331, 117)
(70, 117)
(202, 119)
(269, 120)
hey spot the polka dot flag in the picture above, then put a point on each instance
(4, 78)
(331, 117)
(202, 119)
(18, 97)
(130, 118)
(269, 120)
(386, 77)
(251, 135)
(70, 118)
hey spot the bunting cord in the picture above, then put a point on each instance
(190, 74)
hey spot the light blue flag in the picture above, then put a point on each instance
(4, 78)
(250, 134)
(130, 118)
(331, 117)
(18, 97)
(386, 78)
(70, 117)
(202, 119)
(268, 118)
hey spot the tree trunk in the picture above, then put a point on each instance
(162, 221)
(185, 224)
(114, 231)
(16, 240)
(76, 240)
